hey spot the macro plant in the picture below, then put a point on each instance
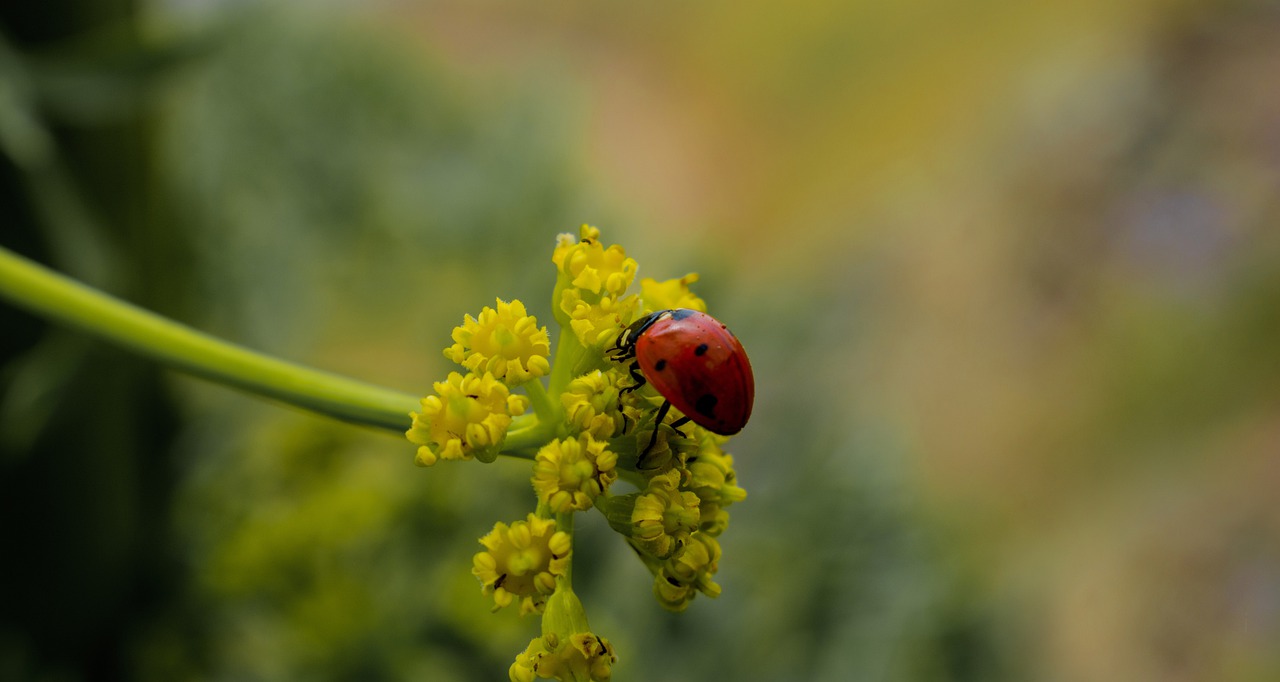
(587, 416)
(586, 420)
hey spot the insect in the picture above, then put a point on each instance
(695, 363)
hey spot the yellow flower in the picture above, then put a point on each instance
(570, 474)
(673, 293)
(580, 657)
(712, 479)
(468, 417)
(589, 266)
(664, 516)
(565, 242)
(567, 649)
(591, 404)
(505, 341)
(590, 287)
(522, 561)
(688, 572)
(597, 323)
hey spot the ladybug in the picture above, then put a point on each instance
(695, 363)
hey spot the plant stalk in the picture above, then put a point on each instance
(63, 300)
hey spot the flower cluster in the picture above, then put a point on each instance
(523, 560)
(590, 426)
(469, 416)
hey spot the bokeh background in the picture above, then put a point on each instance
(1009, 274)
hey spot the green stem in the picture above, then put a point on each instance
(564, 522)
(526, 442)
(547, 410)
(633, 477)
(63, 300)
(568, 351)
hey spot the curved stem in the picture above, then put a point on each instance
(54, 296)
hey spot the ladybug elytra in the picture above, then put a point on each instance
(695, 363)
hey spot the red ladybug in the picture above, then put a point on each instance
(694, 362)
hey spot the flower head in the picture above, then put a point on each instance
(567, 649)
(688, 572)
(597, 321)
(712, 479)
(522, 561)
(673, 293)
(570, 474)
(580, 657)
(589, 266)
(591, 404)
(664, 516)
(505, 341)
(468, 417)
(590, 286)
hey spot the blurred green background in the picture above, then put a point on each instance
(1009, 274)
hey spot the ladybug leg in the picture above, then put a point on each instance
(657, 422)
(634, 370)
(678, 423)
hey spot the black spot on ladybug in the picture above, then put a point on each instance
(660, 365)
(701, 349)
(706, 405)
(681, 313)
